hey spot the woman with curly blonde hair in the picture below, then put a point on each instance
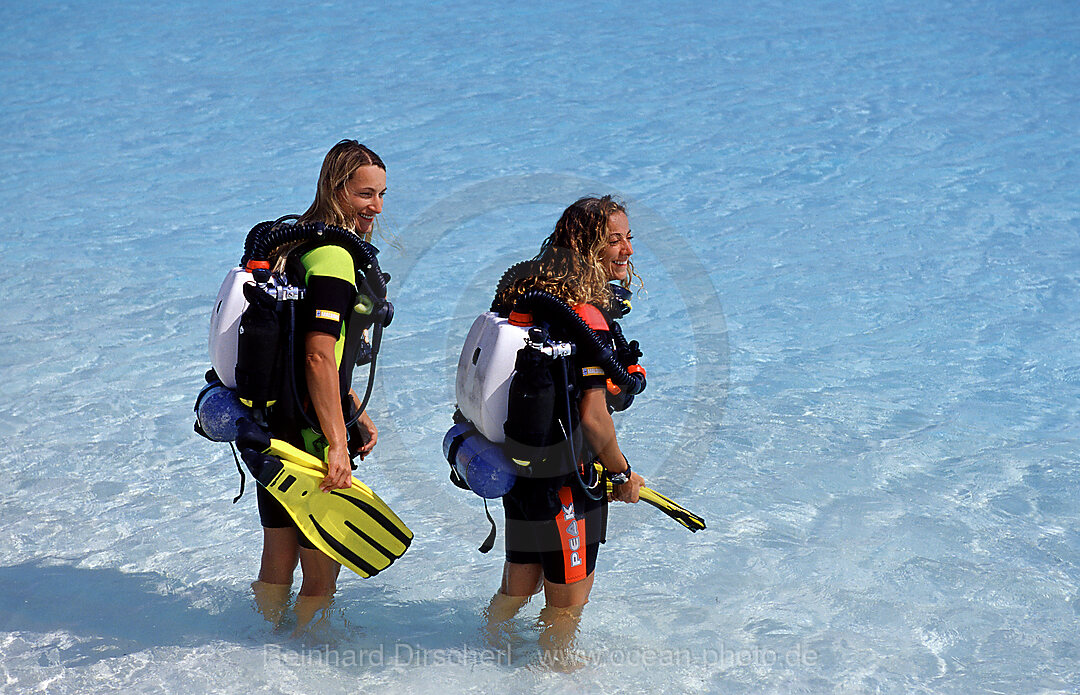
(589, 248)
(554, 525)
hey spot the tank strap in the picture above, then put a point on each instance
(239, 470)
(489, 542)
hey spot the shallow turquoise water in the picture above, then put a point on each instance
(858, 228)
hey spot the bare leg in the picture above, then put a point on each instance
(558, 630)
(306, 608)
(568, 595)
(271, 600)
(320, 574)
(521, 579)
(559, 621)
(519, 583)
(279, 555)
(279, 558)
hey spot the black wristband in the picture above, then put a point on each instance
(622, 477)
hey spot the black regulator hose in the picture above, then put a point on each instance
(265, 237)
(628, 353)
(256, 233)
(514, 273)
(554, 310)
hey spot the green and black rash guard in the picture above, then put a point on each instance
(330, 294)
(330, 282)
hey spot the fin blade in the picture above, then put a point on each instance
(354, 526)
(377, 510)
(345, 555)
(676, 511)
(360, 495)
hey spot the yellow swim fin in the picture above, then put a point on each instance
(668, 506)
(352, 526)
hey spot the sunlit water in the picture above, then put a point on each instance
(858, 226)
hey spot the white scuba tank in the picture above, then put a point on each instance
(484, 370)
(225, 324)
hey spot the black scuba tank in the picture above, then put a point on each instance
(260, 349)
(534, 429)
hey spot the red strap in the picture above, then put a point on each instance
(592, 316)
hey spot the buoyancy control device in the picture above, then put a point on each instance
(513, 386)
(253, 328)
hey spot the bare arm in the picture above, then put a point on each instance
(321, 371)
(599, 431)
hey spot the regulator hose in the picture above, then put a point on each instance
(550, 307)
(265, 237)
(628, 353)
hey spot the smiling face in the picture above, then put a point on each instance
(618, 249)
(361, 197)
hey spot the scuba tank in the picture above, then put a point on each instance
(537, 418)
(218, 409)
(261, 340)
(480, 465)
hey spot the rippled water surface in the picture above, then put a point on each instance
(858, 226)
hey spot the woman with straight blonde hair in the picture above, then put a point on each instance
(349, 195)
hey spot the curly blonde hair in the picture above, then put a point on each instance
(569, 264)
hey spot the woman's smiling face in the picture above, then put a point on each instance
(618, 249)
(362, 196)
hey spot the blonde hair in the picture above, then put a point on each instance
(569, 264)
(340, 164)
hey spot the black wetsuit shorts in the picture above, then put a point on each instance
(555, 524)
